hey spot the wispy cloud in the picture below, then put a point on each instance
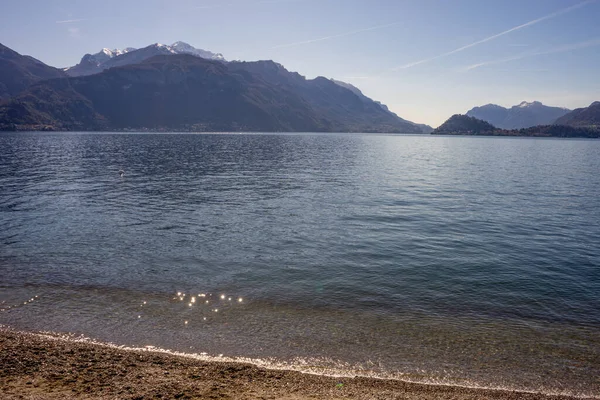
(70, 21)
(559, 49)
(372, 28)
(506, 32)
(74, 32)
(222, 5)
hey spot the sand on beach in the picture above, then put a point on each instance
(35, 366)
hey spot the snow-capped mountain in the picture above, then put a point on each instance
(106, 54)
(107, 58)
(524, 115)
(184, 48)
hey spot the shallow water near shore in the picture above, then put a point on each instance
(458, 260)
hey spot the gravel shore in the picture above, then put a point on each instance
(35, 366)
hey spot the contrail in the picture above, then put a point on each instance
(560, 49)
(222, 5)
(372, 28)
(68, 21)
(516, 28)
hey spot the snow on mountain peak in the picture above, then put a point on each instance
(105, 58)
(176, 48)
(185, 48)
(526, 104)
(110, 53)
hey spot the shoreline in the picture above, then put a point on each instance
(45, 366)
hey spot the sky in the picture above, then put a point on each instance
(425, 59)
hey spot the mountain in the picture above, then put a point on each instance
(184, 92)
(423, 127)
(17, 72)
(184, 48)
(587, 116)
(520, 116)
(90, 63)
(492, 113)
(464, 125)
(106, 58)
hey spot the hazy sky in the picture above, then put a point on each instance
(425, 59)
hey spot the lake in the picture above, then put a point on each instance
(459, 260)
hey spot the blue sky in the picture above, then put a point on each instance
(425, 59)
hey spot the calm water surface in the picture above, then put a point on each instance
(462, 260)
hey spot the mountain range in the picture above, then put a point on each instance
(179, 87)
(524, 115)
(94, 63)
(466, 125)
(191, 93)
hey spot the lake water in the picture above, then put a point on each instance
(459, 260)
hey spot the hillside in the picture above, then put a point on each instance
(464, 125)
(582, 117)
(184, 92)
(17, 72)
(423, 127)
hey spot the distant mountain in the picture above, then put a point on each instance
(423, 127)
(492, 113)
(106, 58)
(90, 63)
(184, 92)
(524, 115)
(17, 72)
(465, 125)
(587, 116)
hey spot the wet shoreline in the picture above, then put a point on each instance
(44, 366)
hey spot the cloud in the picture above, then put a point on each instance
(69, 21)
(506, 32)
(222, 5)
(74, 32)
(372, 28)
(559, 49)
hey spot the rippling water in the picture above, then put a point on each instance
(461, 260)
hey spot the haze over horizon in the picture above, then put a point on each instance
(425, 59)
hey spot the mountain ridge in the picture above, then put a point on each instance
(466, 125)
(46, 97)
(185, 92)
(582, 117)
(17, 72)
(106, 58)
(524, 115)
(424, 127)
